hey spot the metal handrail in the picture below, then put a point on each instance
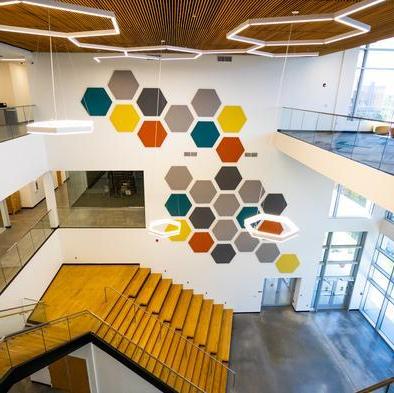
(75, 315)
(20, 307)
(339, 115)
(169, 328)
(385, 383)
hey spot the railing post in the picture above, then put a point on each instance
(68, 329)
(8, 352)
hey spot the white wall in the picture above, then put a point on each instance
(14, 82)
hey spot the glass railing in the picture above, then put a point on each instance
(367, 141)
(23, 346)
(101, 217)
(13, 260)
(13, 121)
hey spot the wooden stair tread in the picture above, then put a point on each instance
(166, 371)
(167, 311)
(162, 336)
(223, 353)
(190, 368)
(214, 328)
(146, 292)
(138, 281)
(163, 352)
(182, 307)
(190, 324)
(198, 368)
(223, 381)
(200, 336)
(177, 362)
(159, 295)
(183, 365)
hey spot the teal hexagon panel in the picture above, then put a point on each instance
(96, 101)
(246, 212)
(205, 134)
(178, 205)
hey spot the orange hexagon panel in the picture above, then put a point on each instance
(230, 149)
(271, 227)
(152, 133)
(201, 242)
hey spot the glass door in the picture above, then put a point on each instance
(278, 292)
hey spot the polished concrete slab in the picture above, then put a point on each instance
(281, 351)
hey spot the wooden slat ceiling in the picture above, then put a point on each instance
(199, 24)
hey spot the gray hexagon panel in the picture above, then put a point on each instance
(267, 252)
(274, 204)
(203, 191)
(226, 205)
(151, 101)
(251, 191)
(179, 118)
(178, 178)
(123, 84)
(228, 178)
(206, 102)
(202, 217)
(246, 243)
(225, 230)
(223, 253)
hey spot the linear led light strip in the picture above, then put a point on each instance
(234, 35)
(13, 59)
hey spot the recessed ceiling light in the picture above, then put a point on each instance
(295, 12)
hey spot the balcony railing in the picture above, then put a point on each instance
(15, 258)
(13, 121)
(367, 141)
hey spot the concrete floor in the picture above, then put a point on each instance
(26, 386)
(281, 351)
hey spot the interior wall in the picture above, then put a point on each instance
(15, 86)
(6, 91)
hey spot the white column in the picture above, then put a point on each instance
(50, 197)
(4, 214)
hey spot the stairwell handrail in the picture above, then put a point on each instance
(170, 328)
(22, 307)
(79, 313)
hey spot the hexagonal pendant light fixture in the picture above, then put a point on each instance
(165, 227)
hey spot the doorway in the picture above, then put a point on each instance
(278, 292)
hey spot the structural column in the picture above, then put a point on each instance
(50, 197)
(4, 214)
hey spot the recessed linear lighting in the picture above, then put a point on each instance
(14, 59)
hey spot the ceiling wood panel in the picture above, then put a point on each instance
(199, 24)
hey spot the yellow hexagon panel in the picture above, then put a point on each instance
(287, 263)
(232, 118)
(124, 118)
(183, 234)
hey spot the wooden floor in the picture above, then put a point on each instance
(174, 333)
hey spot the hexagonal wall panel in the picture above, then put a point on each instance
(232, 119)
(178, 178)
(226, 204)
(206, 102)
(123, 84)
(178, 205)
(124, 118)
(205, 134)
(230, 149)
(228, 178)
(96, 101)
(251, 191)
(179, 118)
(225, 230)
(269, 226)
(201, 242)
(184, 231)
(246, 212)
(223, 253)
(267, 252)
(274, 204)
(152, 133)
(245, 243)
(203, 191)
(287, 263)
(151, 101)
(202, 217)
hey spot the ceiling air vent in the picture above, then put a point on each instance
(226, 59)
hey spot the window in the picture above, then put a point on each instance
(390, 216)
(378, 302)
(346, 203)
(373, 91)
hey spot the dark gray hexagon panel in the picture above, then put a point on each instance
(123, 84)
(151, 101)
(206, 102)
(224, 230)
(179, 118)
(203, 191)
(178, 178)
(226, 205)
(274, 204)
(223, 253)
(251, 191)
(202, 217)
(228, 178)
(267, 252)
(245, 243)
